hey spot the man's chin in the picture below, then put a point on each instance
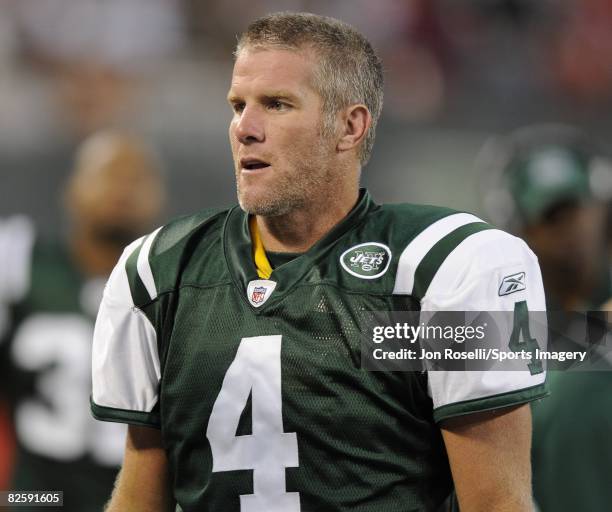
(263, 206)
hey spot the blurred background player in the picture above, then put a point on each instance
(550, 185)
(50, 294)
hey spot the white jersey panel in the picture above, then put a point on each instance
(416, 250)
(471, 279)
(125, 366)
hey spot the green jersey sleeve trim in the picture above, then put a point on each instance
(508, 399)
(139, 272)
(432, 261)
(146, 419)
(139, 292)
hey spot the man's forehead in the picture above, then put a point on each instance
(306, 51)
(272, 64)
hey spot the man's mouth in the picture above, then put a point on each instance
(252, 164)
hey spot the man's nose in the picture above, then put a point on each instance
(250, 126)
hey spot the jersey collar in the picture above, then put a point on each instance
(238, 250)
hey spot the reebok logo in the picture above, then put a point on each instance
(512, 283)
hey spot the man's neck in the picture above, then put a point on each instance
(299, 230)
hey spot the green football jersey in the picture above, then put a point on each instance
(257, 385)
(45, 354)
(571, 456)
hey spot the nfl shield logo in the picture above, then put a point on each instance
(258, 295)
(259, 291)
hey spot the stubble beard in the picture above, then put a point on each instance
(294, 191)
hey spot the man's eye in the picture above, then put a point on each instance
(277, 105)
(237, 107)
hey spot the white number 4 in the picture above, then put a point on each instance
(255, 371)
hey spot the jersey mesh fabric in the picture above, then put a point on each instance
(359, 440)
(369, 442)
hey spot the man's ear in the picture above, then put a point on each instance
(356, 120)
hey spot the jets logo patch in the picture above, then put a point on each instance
(512, 283)
(259, 291)
(366, 261)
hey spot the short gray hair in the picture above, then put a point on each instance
(349, 71)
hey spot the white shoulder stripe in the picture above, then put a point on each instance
(118, 280)
(501, 249)
(416, 250)
(143, 266)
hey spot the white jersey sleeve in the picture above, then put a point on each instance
(125, 359)
(489, 270)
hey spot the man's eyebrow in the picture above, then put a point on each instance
(280, 94)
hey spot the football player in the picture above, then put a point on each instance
(50, 293)
(229, 340)
(557, 185)
(550, 184)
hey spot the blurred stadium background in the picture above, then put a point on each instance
(456, 72)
